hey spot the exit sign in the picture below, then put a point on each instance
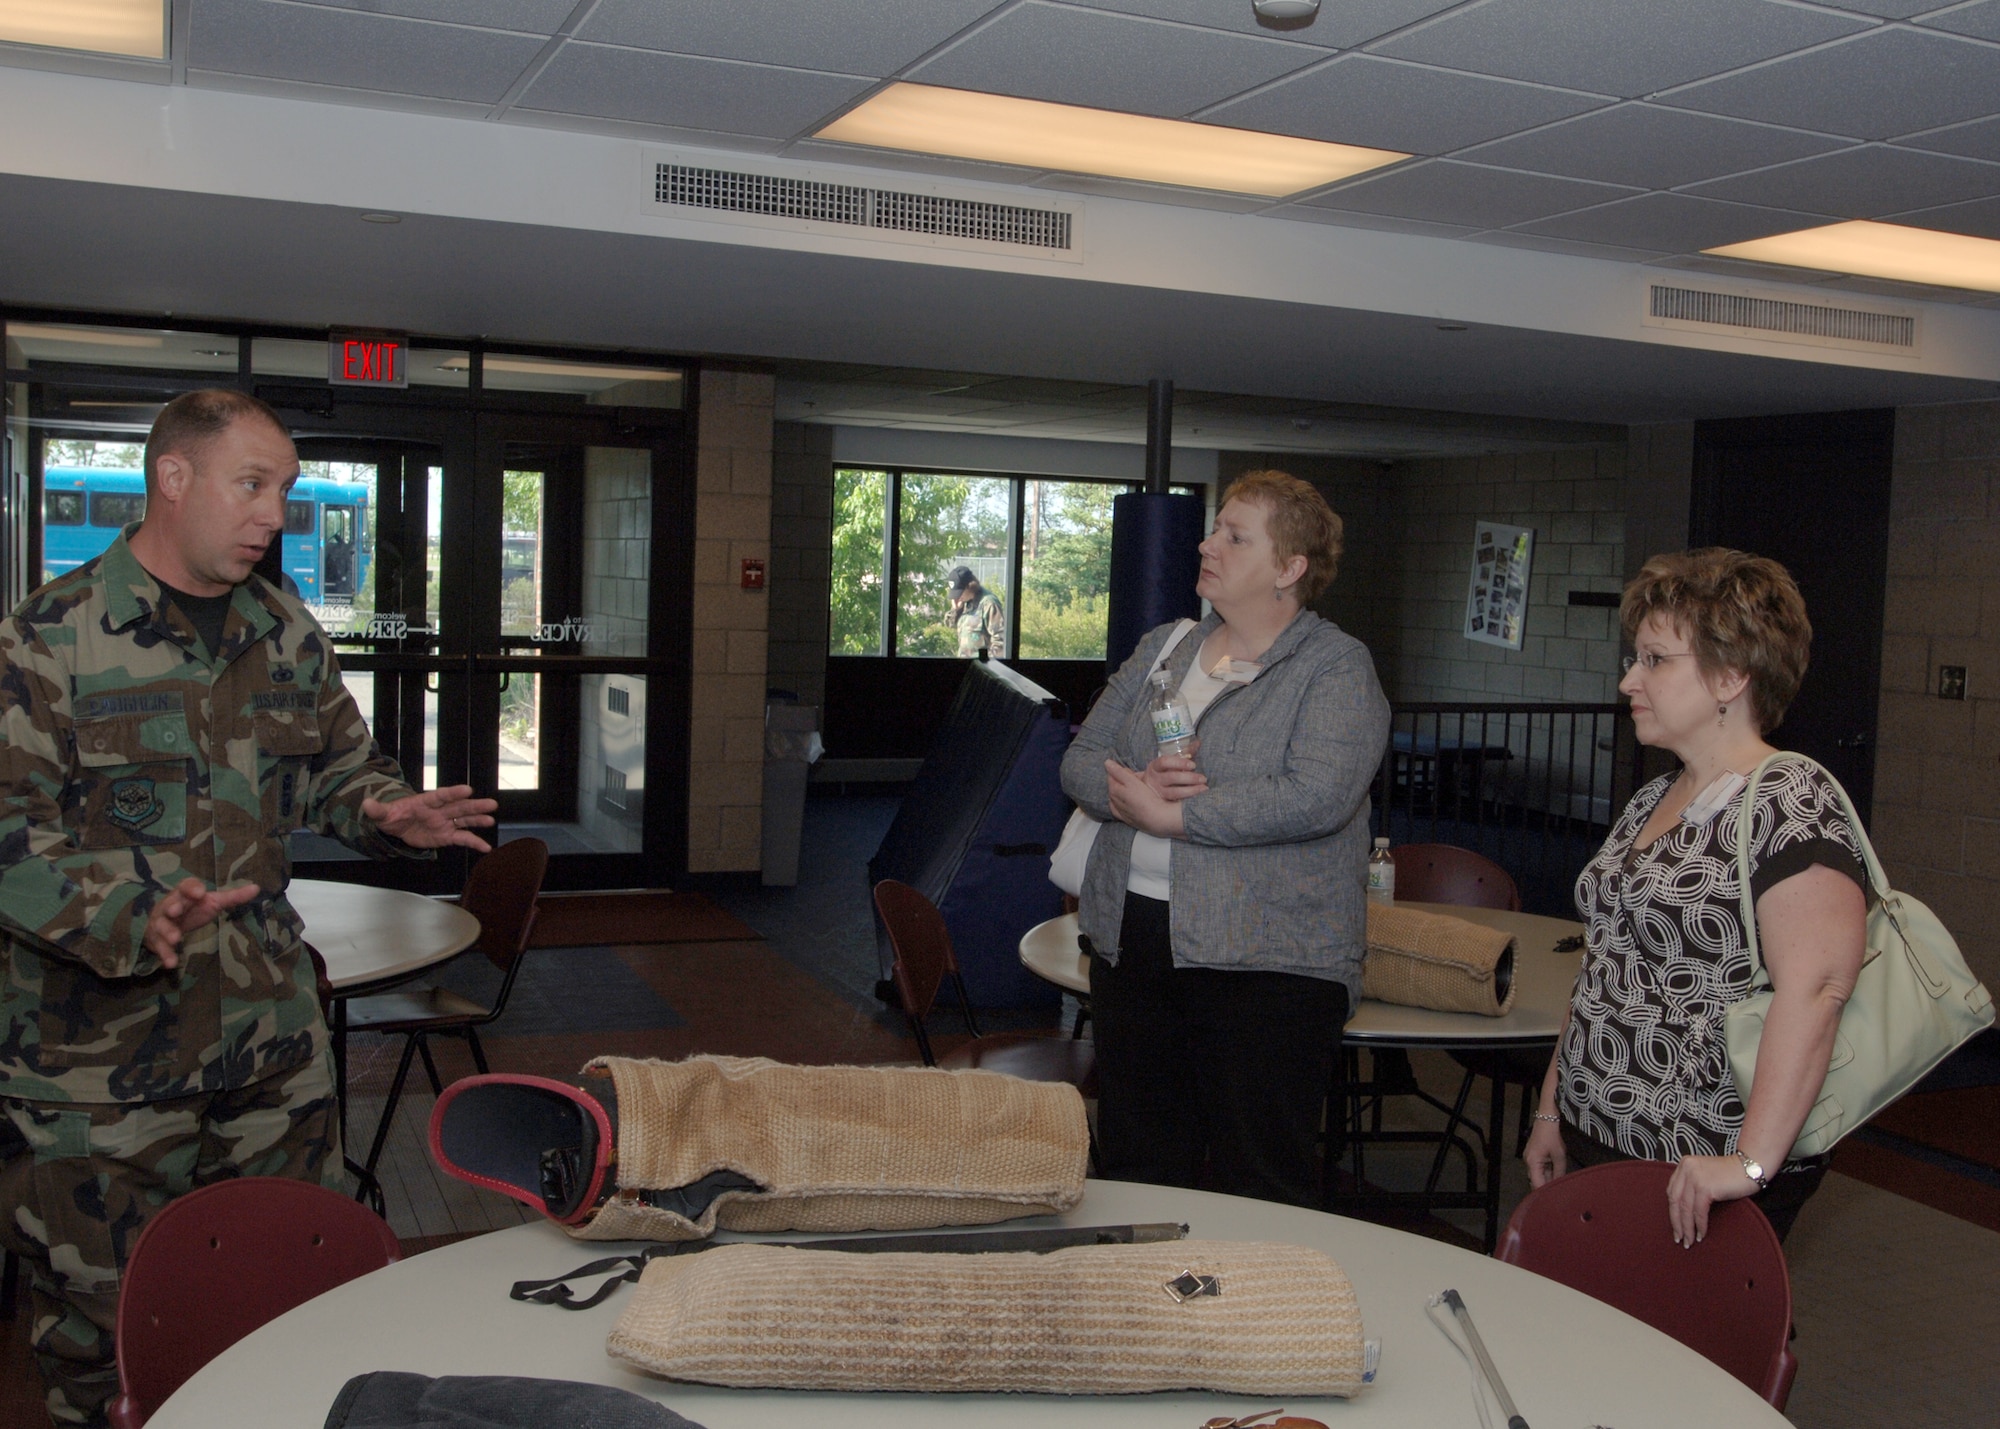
(366, 360)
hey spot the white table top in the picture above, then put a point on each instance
(1569, 1361)
(369, 935)
(1544, 977)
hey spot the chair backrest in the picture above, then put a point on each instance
(1603, 1230)
(1445, 873)
(500, 892)
(922, 943)
(221, 1261)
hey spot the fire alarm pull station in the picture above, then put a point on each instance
(753, 573)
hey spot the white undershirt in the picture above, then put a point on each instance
(1152, 858)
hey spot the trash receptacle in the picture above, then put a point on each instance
(791, 745)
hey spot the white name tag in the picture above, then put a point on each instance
(1715, 798)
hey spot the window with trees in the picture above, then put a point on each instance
(1040, 546)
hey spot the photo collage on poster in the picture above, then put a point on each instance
(1496, 608)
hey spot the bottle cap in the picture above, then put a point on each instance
(1381, 843)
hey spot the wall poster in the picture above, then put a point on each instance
(1496, 608)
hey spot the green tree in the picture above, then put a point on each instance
(860, 503)
(116, 456)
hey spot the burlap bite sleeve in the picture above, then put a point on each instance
(1430, 960)
(838, 1148)
(1282, 1320)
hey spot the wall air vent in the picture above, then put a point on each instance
(885, 209)
(1778, 319)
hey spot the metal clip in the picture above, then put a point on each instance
(1188, 1286)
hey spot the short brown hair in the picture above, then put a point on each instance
(1300, 522)
(1737, 611)
(194, 419)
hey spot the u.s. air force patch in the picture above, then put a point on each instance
(135, 803)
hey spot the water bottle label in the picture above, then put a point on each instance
(1169, 725)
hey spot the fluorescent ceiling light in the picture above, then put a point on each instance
(1881, 250)
(563, 369)
(89, 336)
(107, 27)
(925, 119)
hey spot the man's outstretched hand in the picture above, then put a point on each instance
(190, 905)
(437, 818)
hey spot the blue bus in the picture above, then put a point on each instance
(326, 527)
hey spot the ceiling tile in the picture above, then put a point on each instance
(653, 88)
(1977, 140)
(538, 17)
(1445, 192)
(1875, 86)
(1648, 147)
(1304, 213)
(1110, 61)
(1865, 182)
(1341, 25)
(1980, 218)
(360, 51)
(1981, 20)
(1625, 47)
(871, 37)
(1358, 99)
(1670, 223)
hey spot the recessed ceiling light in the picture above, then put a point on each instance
(381, 218)
(1451, 327)
(213, 352)
(1881, 250)
(563, 369)
(925, 119)
(107, 27)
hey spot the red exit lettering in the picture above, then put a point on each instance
(366, 361)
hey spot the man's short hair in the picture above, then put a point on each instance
(192, 420)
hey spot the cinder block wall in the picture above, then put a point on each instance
(731, 625)
(801, 557)
(1574, 500)
(1937, 764)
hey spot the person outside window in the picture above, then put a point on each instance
(978, 616)
(167, 719)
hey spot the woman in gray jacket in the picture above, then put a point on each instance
(1224, 898)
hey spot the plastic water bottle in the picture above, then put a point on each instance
(1173, 726)
(1381, 874)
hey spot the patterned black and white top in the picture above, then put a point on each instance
(1644, 1065)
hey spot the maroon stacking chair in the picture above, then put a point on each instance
(924, 959)
(223, 1260)
(500, 892)
(1604, 1230)
(1445, 873)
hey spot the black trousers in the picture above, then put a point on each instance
(1789, 1191)
(1212, 1067)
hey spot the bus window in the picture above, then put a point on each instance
(62, 508)
(116, 508)
(298, 518)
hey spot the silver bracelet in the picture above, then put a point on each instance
(1551, 1120)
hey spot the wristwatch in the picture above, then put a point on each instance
(1754, 1171)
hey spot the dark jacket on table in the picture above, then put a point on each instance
(1272, 873)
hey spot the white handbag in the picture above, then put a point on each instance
(1072, 855)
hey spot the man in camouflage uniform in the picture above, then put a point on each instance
(977, 615)
(166, 719)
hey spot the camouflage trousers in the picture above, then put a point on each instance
(78, 1182)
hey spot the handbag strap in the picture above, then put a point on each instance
(1878, 880)
(1173, 643)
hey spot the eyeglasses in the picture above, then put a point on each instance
(1650, 660)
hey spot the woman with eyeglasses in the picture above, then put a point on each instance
(1641, 1069)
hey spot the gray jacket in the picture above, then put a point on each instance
(1272, 874)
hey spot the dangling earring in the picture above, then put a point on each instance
(1721, 713)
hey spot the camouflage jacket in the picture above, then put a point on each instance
(129, 760)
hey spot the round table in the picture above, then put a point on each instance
(372, 937)
(1543, 980)
(1569, 1361)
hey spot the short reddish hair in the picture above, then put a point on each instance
(1300, 522)
(1737, 612)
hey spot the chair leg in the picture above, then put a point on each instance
(478, 1052)
(1450, 1131)
(410, 1045)
(424, 1046)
